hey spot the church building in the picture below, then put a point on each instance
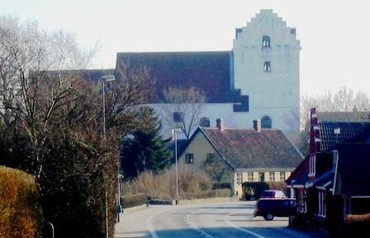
(257, 80)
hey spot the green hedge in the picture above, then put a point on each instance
(20, 214)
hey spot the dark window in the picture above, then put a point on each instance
(261, 177)
(266, 122)
(204, 122)
(178, 117)
(211, 156)
(267, 66)
(189, 158)
(266, 41)
(243, 106)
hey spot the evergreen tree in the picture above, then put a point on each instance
(144, 150)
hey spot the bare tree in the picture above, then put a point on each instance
(29, 96)
(41, 114)
(184, 108)
(216, 168)
(345, 100)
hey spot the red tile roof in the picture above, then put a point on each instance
(248, 148)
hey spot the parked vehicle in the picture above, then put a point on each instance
(273, 194)
(275, 207)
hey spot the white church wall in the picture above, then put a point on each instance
(231, 119)
(276, 92)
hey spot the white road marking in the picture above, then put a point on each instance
(193, 226)
(188, 221)
(241, 229)
(149, 223)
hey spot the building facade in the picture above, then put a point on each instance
(257, 80)
(266, 68)
(236, 156)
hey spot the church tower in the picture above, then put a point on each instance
(266, 68)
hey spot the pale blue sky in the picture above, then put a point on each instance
(334, 34)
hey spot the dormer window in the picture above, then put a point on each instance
(266, 41)
(267, 66)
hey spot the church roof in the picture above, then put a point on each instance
(251, 149)
(208, 71)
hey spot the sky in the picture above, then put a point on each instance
(334, 35)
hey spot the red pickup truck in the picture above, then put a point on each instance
(275, 207)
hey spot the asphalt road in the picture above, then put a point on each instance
(211, 221)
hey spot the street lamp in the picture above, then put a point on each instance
(174, 133)
(104, 79)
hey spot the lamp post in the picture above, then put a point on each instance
(52, 228)
(104, 79)
(174, 132)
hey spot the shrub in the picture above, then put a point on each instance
(253, 190)
(20, 214)
(132, 200)
(163, 186)
(277, 186)
(206, 194)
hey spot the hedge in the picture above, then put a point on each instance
(20, 214)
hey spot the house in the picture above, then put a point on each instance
(242, 155)
(329, 184)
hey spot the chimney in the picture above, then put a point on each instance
(256, 126)
(314, 144)
(220, 124)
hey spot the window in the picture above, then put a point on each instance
(272, 176)
(189, 158)
(178, 117)
(322, 204)
(250, 176)
(312, 169)
(266, 41)
(204, 122)
(267, 66)
(211, 157)
(261, 177)
(266, 122)
(282, 176)
(239, 178)
(302, 199)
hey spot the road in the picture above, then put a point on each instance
(210, 221)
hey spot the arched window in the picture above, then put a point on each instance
(266, 122)
(267, 66)
(204, 122)
(266, 41)
(178, 116)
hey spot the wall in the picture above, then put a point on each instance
(242, 176)
(275, 93)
